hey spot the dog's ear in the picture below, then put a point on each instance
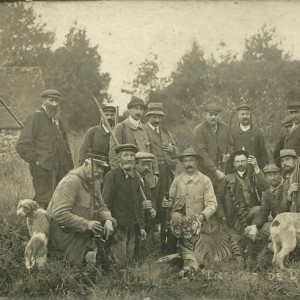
(33, 206)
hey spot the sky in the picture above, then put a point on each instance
(127, 32)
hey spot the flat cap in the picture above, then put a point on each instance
(243, 107)
(189, 152)
(51, 93)
(155, 108)
(293, 106)
(213, 108)
(144, 156)
(271, 168)
(109, 108)
(135, 101)
(126, 147)
(287, 152)
(98, 159)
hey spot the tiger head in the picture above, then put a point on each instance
(186, 227)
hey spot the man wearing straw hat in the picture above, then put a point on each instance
(96, 139)
(191, 193)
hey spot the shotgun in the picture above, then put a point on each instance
(11, 113)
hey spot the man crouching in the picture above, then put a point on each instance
(73, 207)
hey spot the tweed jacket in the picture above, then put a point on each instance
(195, 194)
(163, 157)
(42, 141)
(96, 140)
(242, 140)
(211, 146)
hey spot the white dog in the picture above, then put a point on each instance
(285, 234)
(38, 223)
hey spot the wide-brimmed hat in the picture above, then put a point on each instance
(126, 147)
(189, 152)
(98, 159)
(135, 101)
(155, 108)
(287, 152)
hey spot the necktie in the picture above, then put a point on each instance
(156, 130)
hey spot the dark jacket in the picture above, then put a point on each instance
(211, 146)
(242, 139)
(41, 141)
(241, 188)
(163, 157)
(272, 202)
(288, 139)
(123, 198)
(96, 140)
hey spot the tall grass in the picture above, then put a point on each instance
(148, 279)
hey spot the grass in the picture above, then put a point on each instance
(146, 280)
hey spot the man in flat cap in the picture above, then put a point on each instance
(43, 144)
(122, 195)
(191, 194)
(143, 166)
(165, 150)
(78, 211)
(290, 139)
(238, 201)
(132, 131)
(96, 139)
(272, 203)
(247, 136)
(212, 141)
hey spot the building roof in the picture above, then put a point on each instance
(20, 90)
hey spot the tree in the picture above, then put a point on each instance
(74, 69)
(22, 38)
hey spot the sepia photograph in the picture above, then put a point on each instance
(150, 150)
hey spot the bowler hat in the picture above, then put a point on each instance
(189, 152)
(98, 159)
(213, 108)
(109, 108)
(243, 107)
(51, 93)
(271, 168)
(287, 152)
(144, 156)
(126, 147)
(135, 101)
(155, 108)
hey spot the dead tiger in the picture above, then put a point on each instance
(198, 249)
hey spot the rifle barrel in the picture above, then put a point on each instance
(11, 113)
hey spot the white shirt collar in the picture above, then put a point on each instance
(245, 128)
(153, 128)
(241, 173)
(134, 122)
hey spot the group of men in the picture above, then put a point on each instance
(125, 185)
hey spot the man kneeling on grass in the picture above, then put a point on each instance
(74, 205)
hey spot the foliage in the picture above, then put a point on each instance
(22, 38)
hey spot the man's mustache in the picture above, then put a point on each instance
(189, 167)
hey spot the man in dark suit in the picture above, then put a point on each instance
(96, 139)
(165, 150)
(43, 144)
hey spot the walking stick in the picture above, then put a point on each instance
(11, 113)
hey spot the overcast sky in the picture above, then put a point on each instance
(127, 31)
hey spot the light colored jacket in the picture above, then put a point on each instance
(197, 194)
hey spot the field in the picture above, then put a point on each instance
(146, 280)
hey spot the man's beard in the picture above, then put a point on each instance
(288, 169)
(52, 112)
(245, 122)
